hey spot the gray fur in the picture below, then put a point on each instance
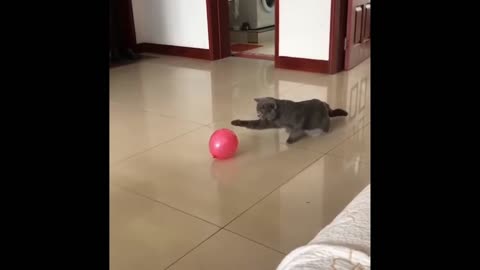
(309, 117)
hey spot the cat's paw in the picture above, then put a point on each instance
(236, 122)
(290, 141)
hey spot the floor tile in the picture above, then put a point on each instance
(292, 215)
(133, 131)
(357, 146)
(226, 250)
(183, 174)
(145, 235)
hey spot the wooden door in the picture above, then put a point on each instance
(357, 41)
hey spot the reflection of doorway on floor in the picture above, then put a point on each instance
(252, 28)
(256, 51)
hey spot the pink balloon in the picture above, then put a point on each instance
(223, 144)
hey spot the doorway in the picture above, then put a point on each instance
(252, 28)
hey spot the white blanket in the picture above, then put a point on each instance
(343, 245)
(320, 257)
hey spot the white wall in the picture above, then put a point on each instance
(171, 22)
(305, 29)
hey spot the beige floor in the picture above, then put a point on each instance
(173, 206)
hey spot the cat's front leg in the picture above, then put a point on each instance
(295, 135)
(254, 124)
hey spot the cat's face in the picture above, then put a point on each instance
(266, 108)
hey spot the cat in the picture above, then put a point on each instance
(309, 117)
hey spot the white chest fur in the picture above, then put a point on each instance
(314, 132)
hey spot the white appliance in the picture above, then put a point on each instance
(258, 13)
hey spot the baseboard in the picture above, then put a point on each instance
(175, 50)
(303, 64)
(255, 56)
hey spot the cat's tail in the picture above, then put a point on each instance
(337, 112)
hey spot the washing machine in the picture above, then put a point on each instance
(257, 13)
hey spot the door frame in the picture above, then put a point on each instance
(359, 52)
(218, 29)
(127, 24)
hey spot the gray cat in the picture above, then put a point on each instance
(309, 117)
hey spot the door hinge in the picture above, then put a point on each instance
(345, 44)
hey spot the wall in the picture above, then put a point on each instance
(304, 29)
(171, 22)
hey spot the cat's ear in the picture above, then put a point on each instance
(269, 101)
(265, 100)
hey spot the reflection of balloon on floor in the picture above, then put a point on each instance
(224, 171)
(223, 144)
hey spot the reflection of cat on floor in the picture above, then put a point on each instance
(309, 117)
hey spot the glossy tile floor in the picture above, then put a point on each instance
(173, 207)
